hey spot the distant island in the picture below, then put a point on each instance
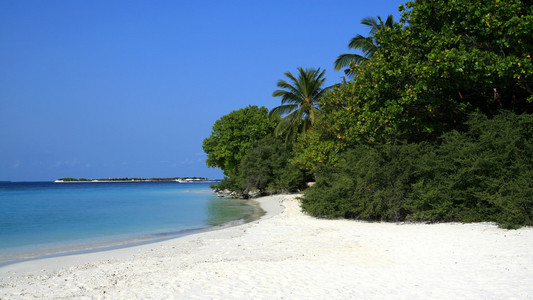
(126, 179)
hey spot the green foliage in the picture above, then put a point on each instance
(266, 168)
(243, 145)
(395, 143)
(228, 183)
(299, 101)
(321, 145)
(445, 60)
(234, 134)
(370, 183)
(477, 53)
(317, 148)
(366, 45)
(484, 174)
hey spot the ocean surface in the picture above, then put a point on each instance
(39, 219)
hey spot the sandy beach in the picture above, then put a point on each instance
(289, 255)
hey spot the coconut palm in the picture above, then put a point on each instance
(299, 101)
(366, 45)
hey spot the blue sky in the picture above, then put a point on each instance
(101, 89)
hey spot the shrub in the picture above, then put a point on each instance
(371, 183)
(266, 168)
(483, 174)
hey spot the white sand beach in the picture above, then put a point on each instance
(289, 255)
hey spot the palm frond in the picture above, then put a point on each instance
(358, 41)
(299, 99)
(366, 45)
(371, 22)
(287, 97)
(344, 60)
(287, 124)
(288, 87)
(349, 73)
(283, 109)
(295, 82)
(389, 23)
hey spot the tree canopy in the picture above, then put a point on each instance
(266, 168)
(446, 60)
(234, 134)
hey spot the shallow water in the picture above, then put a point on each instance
(45, 218)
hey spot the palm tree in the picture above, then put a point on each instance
(367, 45)
(299, 101)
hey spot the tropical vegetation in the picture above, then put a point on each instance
(255, 161)
(435, 123)
(366, 44)
(234, 135)
(299, 107)
(482, 174)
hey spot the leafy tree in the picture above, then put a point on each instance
(321, 146)
(266, 168)
(367, 45)
(234, 134)
(453, 58)
(299, 101)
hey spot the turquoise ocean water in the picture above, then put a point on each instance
(39, 219)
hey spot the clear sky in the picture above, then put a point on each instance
(99, 89)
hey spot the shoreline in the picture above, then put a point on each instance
(133, 181)
(287, 254)
(138, 180)
(262, 209)
(257, 214)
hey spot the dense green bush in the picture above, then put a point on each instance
(370, 183)
(229, 184)
(484, 174)
(265, 169)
